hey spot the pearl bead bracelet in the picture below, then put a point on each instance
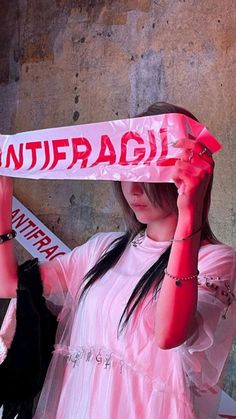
(178, 280)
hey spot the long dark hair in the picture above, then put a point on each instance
(160, 194)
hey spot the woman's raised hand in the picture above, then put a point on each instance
(192, 174)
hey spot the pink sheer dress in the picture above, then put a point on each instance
(96, 374)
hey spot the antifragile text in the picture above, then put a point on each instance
(35, 235)
(82, 153)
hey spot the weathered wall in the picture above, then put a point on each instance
(66, 62)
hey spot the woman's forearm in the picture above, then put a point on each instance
(176, 306)
(8, 266)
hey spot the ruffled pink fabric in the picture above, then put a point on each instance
(95, 374)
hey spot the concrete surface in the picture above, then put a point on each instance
(65, 62)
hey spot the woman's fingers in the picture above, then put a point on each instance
(193, 148)
(190, 172)
(196, 145)
(193, 159)
(190, 177)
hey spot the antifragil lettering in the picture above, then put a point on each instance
(79, 152)
(34, 236)
(139, 149)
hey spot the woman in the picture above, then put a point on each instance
(145, 326)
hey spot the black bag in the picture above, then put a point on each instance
(23, 371)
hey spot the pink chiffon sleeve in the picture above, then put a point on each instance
(63, 276)
(206, 352)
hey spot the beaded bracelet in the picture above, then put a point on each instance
(179, 279)
(9, 236)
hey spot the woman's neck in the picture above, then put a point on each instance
(163, 229)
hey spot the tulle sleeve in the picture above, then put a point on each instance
(205, 353)
(63, 276)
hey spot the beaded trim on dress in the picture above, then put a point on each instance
(220, 287)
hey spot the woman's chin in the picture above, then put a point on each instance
(142, 219)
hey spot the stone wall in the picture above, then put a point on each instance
(65, 62)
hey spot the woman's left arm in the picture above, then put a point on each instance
(177, 302)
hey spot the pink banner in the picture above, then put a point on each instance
(138, 149)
